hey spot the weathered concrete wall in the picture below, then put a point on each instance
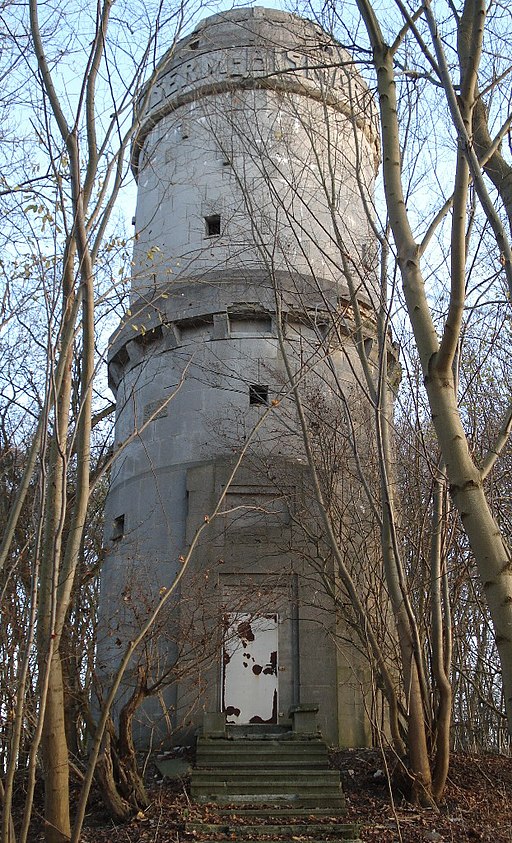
(253, 149)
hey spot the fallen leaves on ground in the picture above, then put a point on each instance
(477, 806)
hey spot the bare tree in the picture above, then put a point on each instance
(438, 346)
(83, 134)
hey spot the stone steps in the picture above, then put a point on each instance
(305, 837)
(239, 825)
(279, 764)
(269, 774)
(269, 752)
(261, 770)
(264, 781)
(277, 812)
(342, 831)
(258, 745)
(268, 787)
(262, 749)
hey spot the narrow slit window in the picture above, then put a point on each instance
(118, 528)
(258, 394)
(212, 224)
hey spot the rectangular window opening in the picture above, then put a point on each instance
(212, 224)
(250, 325)
(258, 394)
(118, 528)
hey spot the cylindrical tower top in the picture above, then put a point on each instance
(255, 158)
(258, 48)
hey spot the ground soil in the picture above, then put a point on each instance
(477, 806)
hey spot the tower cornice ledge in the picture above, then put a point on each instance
(216, 292)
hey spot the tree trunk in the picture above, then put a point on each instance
(53, 738)
(9, 836)
(491, 554)
(419, 761)
(55, 760)
(131, 781)
(122, 787)
(441, 645)
(118, 807)
(405, 620)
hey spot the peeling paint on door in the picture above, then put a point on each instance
(250, 668)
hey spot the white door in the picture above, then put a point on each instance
(249, 687)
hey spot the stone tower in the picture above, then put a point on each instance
(257, 147)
